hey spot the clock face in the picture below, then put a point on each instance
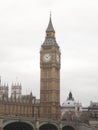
(57, 58)
(47, 57)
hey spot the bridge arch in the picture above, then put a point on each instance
(18, 125)
(44, 123)
(68, 127)
(48, 126)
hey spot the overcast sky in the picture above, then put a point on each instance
(22, 31)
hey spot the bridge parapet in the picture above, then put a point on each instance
(36, 123)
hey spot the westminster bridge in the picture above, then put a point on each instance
(28, 123)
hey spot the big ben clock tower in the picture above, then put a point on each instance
(50, 76)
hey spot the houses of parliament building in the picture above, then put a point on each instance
(25, 112)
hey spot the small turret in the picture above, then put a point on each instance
(70, 97)
(4, 91)
(16, 91)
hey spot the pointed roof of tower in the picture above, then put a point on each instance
(50, 26)
(50, 39)
(70, 102)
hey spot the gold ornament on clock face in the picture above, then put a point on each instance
(57, 58)
(47, 57)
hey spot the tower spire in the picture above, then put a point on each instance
(50, 35)
(50, 26)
